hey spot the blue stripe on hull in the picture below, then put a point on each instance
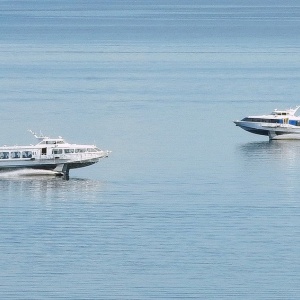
(49, 167)
(256, 131)
(266, 132)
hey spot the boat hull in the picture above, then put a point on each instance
(275, 132)
(45, 165)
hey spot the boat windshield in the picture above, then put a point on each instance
(52, 142)
(279, 113)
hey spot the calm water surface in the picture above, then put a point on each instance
(187, 206)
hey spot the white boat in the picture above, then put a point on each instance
(53, 154)
(279, 125)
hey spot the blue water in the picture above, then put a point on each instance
(187, 206)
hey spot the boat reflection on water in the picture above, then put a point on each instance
(44, 185)
(270, 168)
(286, 150)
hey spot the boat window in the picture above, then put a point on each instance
(57, 151)
(26, 154)
(15, 154)
(261, 120)
(4, 155)
(51, 142)
(92, 150)
(80, 150)
(67, 151)
(59, 142)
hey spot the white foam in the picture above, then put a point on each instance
(26, 172)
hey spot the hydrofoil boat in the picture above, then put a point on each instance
(279, 125)
(53, 154)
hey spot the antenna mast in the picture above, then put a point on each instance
(40, 137)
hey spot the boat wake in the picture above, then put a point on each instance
(26, 173)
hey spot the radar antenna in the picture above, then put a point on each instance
(40, 137)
